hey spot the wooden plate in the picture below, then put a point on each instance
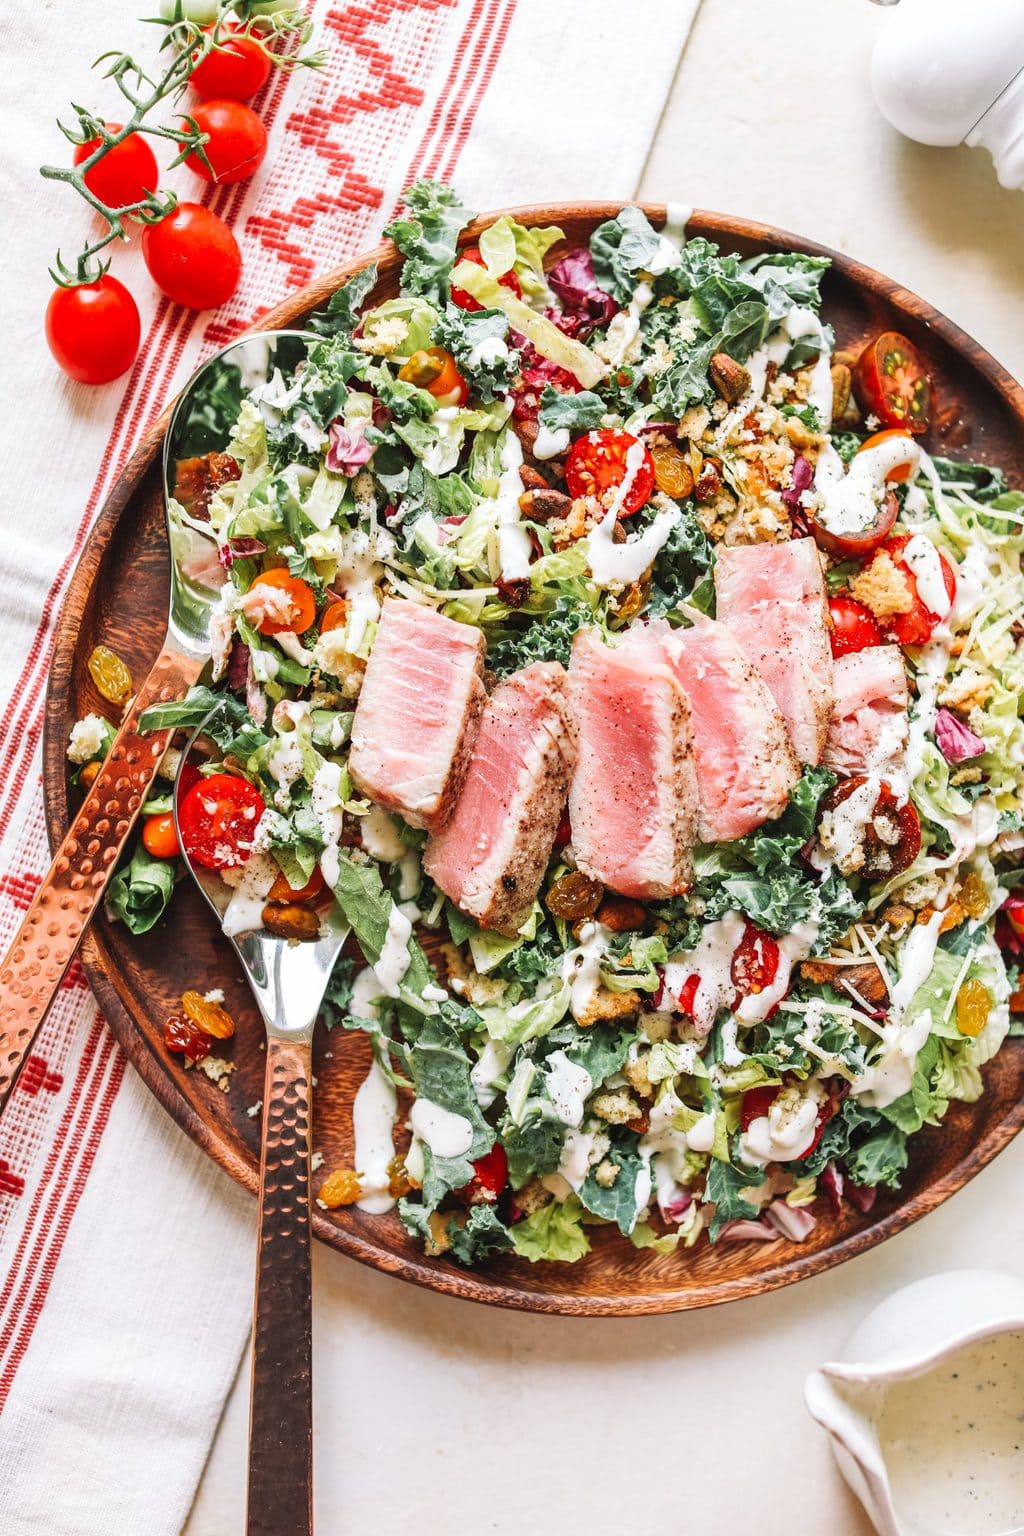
(118, 596)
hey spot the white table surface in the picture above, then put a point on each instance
(437, 1417)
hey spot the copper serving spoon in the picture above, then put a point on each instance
(71, 891)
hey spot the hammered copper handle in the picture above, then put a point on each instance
(45, 944)
(280, 1501)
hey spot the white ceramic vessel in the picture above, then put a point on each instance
(912, 1331)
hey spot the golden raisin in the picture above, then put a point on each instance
(973, 896)
(287, 920)
(342, 1187)
(89, 773)
(621, 914)
(672, 472)
(109, 673)
(973, 1005)
(952, 917)
(210, 1017)
(574, 896)
(399, 1182)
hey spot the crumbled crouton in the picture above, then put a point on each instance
(967, 690)
(883, 587)
(604, 1004)
(617, 1106)
(635, 1073)
(437, 1240)
(532, 1196)
(606, 1173)
(694, 422)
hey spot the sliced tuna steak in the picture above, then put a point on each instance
(491, 856)
(773, 599)
(633, 800)
(418, 712)
(746, 765)
(869, 729)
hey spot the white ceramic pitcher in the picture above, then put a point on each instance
(911, 1331)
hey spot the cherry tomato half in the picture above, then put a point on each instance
(854, 627)
(900, 473)
(193, 257)
(235, 70)
(917, 625)
(217, 820)
(93, 330)
(892, 837)
(855, 546)
(160, 836)
(126, 172)
(605, 460)
(891, 382)
(314, 888)
(507, 280)
(755, 961)
(301, 602)
(490, 1175)
(236, 145)
(334, 616)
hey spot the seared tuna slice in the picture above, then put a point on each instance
(491, 856)
(869, 729)
(633, 800)
(418, 712)
(773, 599)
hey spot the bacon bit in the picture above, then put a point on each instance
(515, 591)
(710, 482)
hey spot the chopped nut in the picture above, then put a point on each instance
(866, 980)
(532, 478)
(730, 378)
(542, 505)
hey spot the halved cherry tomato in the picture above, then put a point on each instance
(755, 961)
(125, 174)
(235, 70)
(604, 461)
(857, 546)
(193, 257)
(901, 473)
(891, 382)
(917, 625)
(236, 142)
(854, 627)
(160, 836)
(507, 280)
(313, 888)
(188, 775)
(688, 995)
(892, 836)
(490, 1175)
(301, 602)
(334, 616)
(218, 819)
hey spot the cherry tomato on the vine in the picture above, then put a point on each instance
(236, 145)
(233, 71)
(507, 280)
(125, 174)
(298, 594)
(93, 330)
(218, 819)
(193, 257)
(160, 836)
(607, 460)
(917, 625)
(854, 627)
(891, 382)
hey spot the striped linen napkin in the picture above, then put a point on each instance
(126, 1257)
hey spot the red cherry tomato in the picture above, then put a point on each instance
(312, 890)
(490, 1172)
(599, 462)
(188, 775)
(857, 546)
(564, 833)
(507, 280)
(93, 330)
(891, 382)
(900, 473)
(854, 627)
(892, 837)
(217, 820)
(126, 172)
(233, 71)
(193, 257)
(755, 961)
(301, 602)
(160, 836)
(236, 145)
(1013, 910)
(688, 995)
(917, 625)
(757, 1102)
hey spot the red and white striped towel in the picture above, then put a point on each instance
(126, 1258)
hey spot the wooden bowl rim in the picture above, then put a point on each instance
(438, 1275)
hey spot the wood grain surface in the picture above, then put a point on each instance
(118, 597)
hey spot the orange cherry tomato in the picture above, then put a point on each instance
(891, 382)
(160, 836)
(900, 473)
(314, 888)
(449, 388)
(301, 602)
(599, 462)
(334, 616)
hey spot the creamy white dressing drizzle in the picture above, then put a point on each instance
(701, 1135)
(889, 1076)
(850, 499)
(373, 1119)
(485, 1073)
(550, 442)
(491, 350)
(446, 1133)
(569, 1086)
(711, 961)
(514, 544)
(380, 836)
(250, 883)
(581, 967)
(926, 567)
(618, 565)
(787, 1130)
(395, 958)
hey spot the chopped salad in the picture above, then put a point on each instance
(603, 641)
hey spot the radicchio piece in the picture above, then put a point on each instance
(861, 1195)
(747, 1232)
(241, 548)
(801, 479)
(585, 306)
(676, 1205)
(347, 449)
(956, 741)
(538, 372)
(238, 665)
(793, 1221)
